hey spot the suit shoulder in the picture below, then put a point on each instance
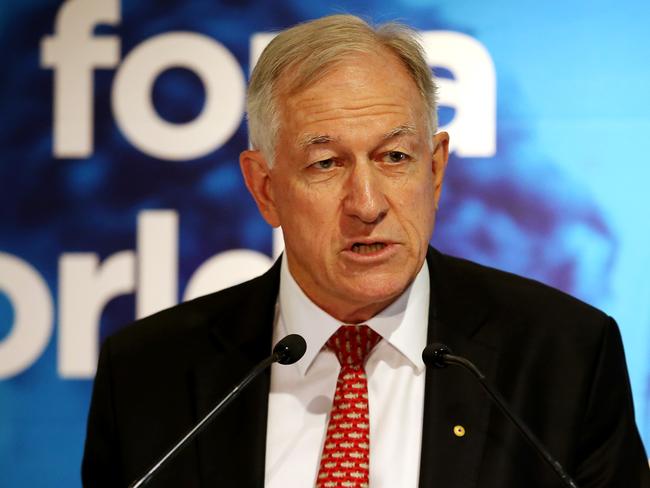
(193, 320)
(517, 294)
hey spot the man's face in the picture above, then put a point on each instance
(355, 184)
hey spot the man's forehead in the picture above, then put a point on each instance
(310, 139)
(350, 98)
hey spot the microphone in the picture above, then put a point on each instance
(290, 349)
(440, 356)
(287, 351)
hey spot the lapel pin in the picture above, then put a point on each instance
(459, 431)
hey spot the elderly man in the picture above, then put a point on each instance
(346, 159)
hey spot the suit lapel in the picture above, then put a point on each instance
(458, 317)
(232, 450)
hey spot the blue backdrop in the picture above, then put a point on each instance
(116, 200)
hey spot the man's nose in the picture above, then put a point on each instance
(365, 198)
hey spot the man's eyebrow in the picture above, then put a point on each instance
(401, 130)
(312, 139)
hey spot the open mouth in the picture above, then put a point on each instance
(359, 248)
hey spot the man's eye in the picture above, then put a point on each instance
(324, 164)
(396, 156)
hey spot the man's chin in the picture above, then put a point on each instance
(375, 293)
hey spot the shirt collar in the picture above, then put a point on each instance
(403, 324)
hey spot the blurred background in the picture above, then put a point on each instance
(120, 191)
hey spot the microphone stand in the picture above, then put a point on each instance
(440, 355)
(205, 421)
(287, 351)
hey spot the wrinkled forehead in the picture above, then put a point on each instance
(355, 78)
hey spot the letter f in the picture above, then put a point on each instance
(72, 52)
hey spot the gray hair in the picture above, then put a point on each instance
(307, 50)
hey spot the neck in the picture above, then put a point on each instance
(350, 315)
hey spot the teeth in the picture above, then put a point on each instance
(367, 248)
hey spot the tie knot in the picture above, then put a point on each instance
(352, 344)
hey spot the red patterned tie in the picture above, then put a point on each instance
(345, 461)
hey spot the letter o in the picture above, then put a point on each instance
(33, 315)
(220, 117)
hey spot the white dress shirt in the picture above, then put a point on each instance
(301, 394)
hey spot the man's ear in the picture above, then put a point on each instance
(257, 176)
(439, 162)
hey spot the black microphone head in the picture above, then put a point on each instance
(434, 355)
(290, 349)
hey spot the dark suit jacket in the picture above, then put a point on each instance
(557, 361)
